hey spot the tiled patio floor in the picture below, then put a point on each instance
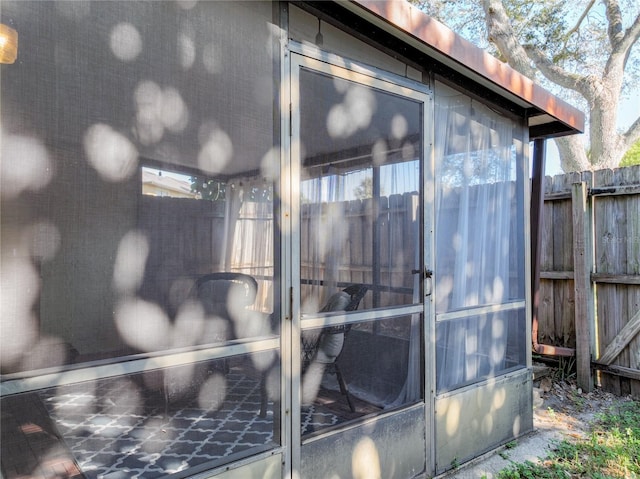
(100, 430)
(107, 433)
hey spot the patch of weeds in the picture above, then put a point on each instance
(566, 369)
(455, 463)
(529, 470)
(552, 414)
(504, 454)
(612, 450)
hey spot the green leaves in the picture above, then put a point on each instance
(632, 156)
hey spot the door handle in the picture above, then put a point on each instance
(428, 288)
(426, 274)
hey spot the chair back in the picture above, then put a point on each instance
(223, 294)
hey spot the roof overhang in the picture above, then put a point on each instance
(548, 115)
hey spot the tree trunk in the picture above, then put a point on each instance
(572, 154)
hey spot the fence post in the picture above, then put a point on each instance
(582, 265)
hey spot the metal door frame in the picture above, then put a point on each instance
(295, 57)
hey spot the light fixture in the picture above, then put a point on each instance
(8, 44)
(319, 38)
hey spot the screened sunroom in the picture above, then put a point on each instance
(261, 239)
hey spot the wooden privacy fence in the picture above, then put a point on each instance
(362, 241)
(589, 297)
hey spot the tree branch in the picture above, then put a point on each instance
(631, 135)
(573, 156)
(501, 34)
(631, 36)
(614, 18)
(520, 57)
(620, 50)
(621, 41)
(576, 27)
(583, 85)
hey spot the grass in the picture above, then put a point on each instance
(612, 450)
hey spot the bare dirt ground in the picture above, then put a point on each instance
(562, 406)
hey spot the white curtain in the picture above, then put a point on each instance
(475, 182)
(323, 256)
(249, 235)
(411, 391)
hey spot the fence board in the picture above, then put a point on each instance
(564, 299)
(546, 295)
(624, 337)
(634, 345)
(546, 329)
(582, 282)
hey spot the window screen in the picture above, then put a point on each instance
(137, 224)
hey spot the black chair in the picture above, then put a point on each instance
(226, 296)
(325, 346)
(225, 299)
